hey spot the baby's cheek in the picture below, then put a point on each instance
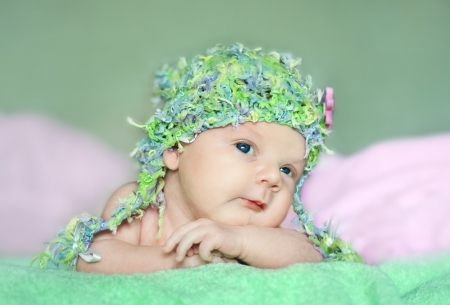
(284, 208)
(274, 218)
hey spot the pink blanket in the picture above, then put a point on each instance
(48, 174)
(391, 199)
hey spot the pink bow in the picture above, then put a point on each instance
(329, 106)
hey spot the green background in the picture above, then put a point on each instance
(90, 63)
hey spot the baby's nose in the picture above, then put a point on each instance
(269, 175)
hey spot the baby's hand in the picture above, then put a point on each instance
(195, 260)
(191, 261)
(212, 241)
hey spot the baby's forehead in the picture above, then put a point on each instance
(263, 128)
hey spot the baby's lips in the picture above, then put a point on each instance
(261, 204)
(258, 203)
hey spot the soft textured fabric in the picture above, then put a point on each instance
(50, 172)
(389, 200)
(421, 281)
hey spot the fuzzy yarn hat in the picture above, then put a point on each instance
(226, 86)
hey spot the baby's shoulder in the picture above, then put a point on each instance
(137, 231)
(128, 232)
(122, 192)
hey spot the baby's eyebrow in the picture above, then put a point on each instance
(249, 132)
(298, 160)
(302, 161)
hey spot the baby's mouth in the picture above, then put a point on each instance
(254, 204)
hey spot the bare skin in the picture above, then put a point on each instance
(226, 196)
(129, 250)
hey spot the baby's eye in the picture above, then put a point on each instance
(245, 148)
(286, 171)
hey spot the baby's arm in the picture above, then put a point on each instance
(276, 247)
(121, 253)
(257, 246)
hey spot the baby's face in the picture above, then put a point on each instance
(240, 176)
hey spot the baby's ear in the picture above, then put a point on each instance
(171, 158)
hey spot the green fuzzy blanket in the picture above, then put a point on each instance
(415, 281)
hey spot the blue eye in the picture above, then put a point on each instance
(286, 171)
(245, 148)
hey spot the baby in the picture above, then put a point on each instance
(239, 132)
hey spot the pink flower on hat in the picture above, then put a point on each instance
(329, 106)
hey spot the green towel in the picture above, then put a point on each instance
(415, 281)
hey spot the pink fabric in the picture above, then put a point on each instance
(390, 200)
(48, 174)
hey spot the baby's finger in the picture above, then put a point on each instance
(207, 248)
(188, 241)
(217, 259)
(217, 253)
(193, 250)
(176, 236)
(192, 261)
(230, 260)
